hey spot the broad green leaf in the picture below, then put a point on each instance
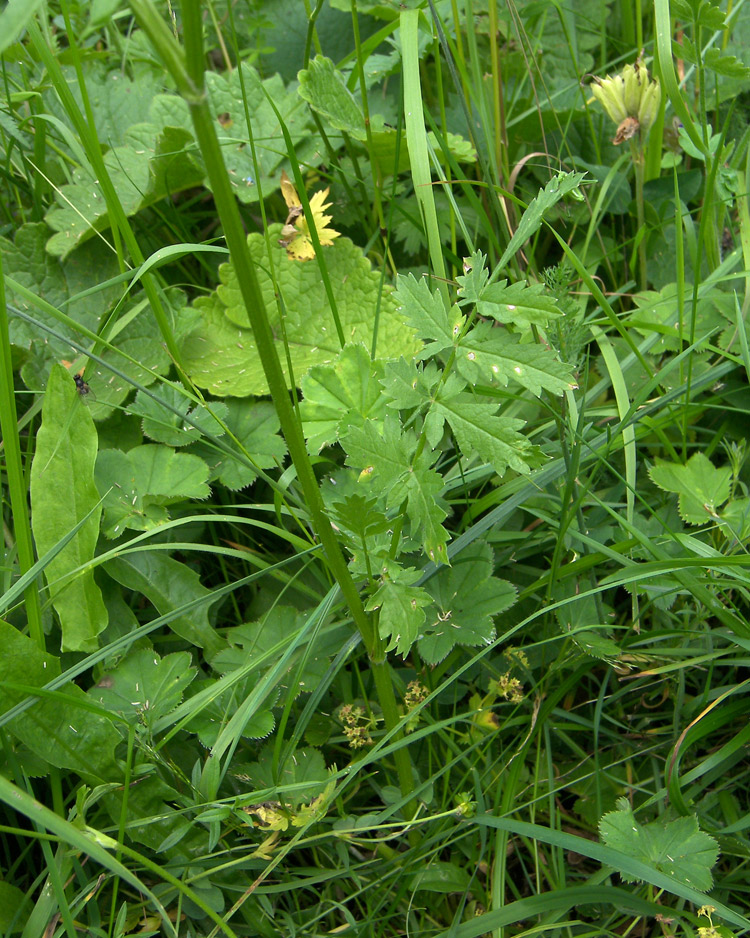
(255, 424)
(658, 312)
(144, 687)
(305, 769)
(678, 848)
(165, 426)
(63, 493)
(231, 99)
(728, 65)
(170, 585)
(491, 354)
(531, 220)
(220, 354)
(401, 615)
(495, 439)
(13, 20)
(14, 904)
(138, 485)
(153, 821)
(466, 597)
(339, 395)
(212, 719)
(441, 876)
(323, 87)
(702, 487)
(408, 384)
(58, 729)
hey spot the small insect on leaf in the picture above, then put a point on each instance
(84, 391)
(296, 232)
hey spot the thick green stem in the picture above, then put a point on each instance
(187, 71)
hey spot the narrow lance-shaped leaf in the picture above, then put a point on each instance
(62, 494)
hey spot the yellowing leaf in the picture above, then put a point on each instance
(296, 232)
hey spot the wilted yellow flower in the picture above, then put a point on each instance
(630, 99)
(295, 235)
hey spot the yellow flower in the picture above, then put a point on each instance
(295, 235)
(630, 99)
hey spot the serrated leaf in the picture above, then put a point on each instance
(170, 585)
(305, 770)
(727, 65)
(702, 488)
(678, 848)
(427, 314)
(494, 355)
(493, 438)
(213, 718)
(408, 384)
(220, 354)
(63, 733)
(386, 462)
(475, 277)
(255, 425)
(401, 614)
(531, 220)
(517, 304)
(63, 493)
(322, 86)
(339, 395)
(232, 96)
(466, 597)
(144, 687)
(162, 424)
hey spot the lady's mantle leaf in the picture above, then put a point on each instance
(138, 485)
(466, 597)
(144, 687)
(678, 848)
(221, 354)
(701, 486)
(165, 424)
(63, 493)
(340, 395)
(255, 426)
(295, 235)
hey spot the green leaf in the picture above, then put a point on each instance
(165, 426)
(305, 770)
(702, 487)
(339, 395)
(494, 355)
(427, 314)
(145, 687)
(495, 439)
(63, 493)
(728, 65)
(323, 87)
(59, 729)
(517, 304)
(220, 354)
(232, 96)
(170, 585)
(138, 485)
(678, 848)
(531, 220)
(213, 718)
(255, 425)
(14, 904)
(441, 876)
(13, 20)
(402, 614)
(386, 463)
(466, 597)
(408, 383)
